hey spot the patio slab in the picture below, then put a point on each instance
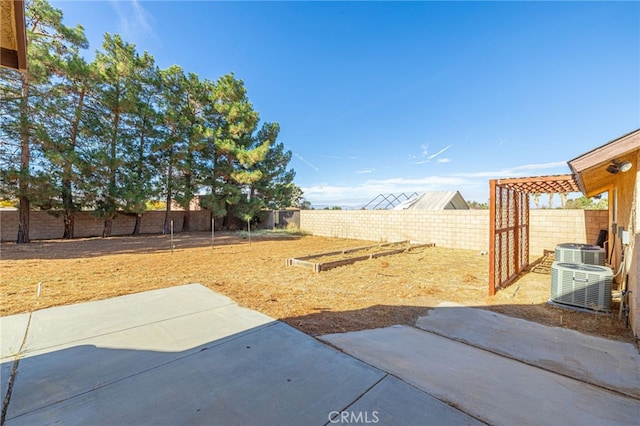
(487, 386)
(187, 355)
(66, 324)
(611, 364)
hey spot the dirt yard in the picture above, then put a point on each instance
(369, 294)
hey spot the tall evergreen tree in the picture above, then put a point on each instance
(61, 126)
(118, 65)
(49, 43)
(233, 149)
(137, 181)
(182, 150)
(190, 160)
(165, 151)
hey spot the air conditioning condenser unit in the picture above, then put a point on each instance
(580, 253)
(581, 285)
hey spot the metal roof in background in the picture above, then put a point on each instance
(435, 200)
(388, 201)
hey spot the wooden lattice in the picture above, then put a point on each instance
(509, 223)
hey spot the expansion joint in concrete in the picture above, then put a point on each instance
(14, 373)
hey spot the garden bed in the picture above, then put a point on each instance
(325, 261)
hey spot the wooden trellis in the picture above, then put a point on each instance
(509, 223)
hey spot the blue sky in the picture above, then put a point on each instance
(389, 97)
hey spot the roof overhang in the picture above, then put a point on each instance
(13, 37)
(590, 169)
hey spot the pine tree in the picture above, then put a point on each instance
(118, 65)
(49, 44)
(61, 126)
(137, 181)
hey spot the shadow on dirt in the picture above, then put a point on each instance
(326, 321)
(97, 246)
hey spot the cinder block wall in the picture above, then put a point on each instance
(465, 229)
(457, 229)
(43, 225)
(552, 227)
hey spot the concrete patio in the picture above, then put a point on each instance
(187, 355)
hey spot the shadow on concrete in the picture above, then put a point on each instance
(272, 373)
(275, 374)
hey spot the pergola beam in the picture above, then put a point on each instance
(541, 184)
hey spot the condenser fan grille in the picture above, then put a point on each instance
(580, 253)
(584, 286)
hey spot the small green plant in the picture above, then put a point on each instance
(290, 231)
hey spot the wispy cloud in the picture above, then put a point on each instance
(443, 160)
(516, 171)
(364, 171)
(473, 185)
(135, 23)
(432, 156)
(301, 158)
(425, 157)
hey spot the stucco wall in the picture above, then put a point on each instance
(633, 251)
(466, 229)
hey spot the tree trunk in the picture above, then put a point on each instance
(69, 223)
(113, 169)
(23, 221)
(186, 223)
(136, 227)
(167, 215)
(226, 219)
(67, 203)
(167, 219)
(25, 159)
(108, 225)
(67, 190)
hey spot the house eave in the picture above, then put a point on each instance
(13, 38)
(589, 169)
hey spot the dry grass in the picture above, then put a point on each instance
(374, 293)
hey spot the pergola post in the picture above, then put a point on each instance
(492, 237)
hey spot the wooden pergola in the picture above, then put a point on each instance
(509, 223)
